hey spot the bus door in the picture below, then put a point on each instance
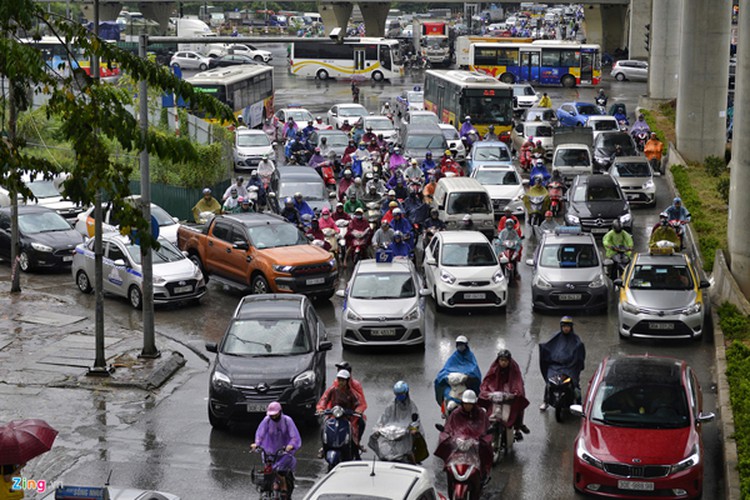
(530, 65)
(359, 59)
(587, 68)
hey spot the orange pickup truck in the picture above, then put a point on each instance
(260, 251)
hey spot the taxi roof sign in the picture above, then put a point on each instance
(82, 493)
(568, 230)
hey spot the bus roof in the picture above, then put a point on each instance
(557, 44)
(228, 75)
(469, 79)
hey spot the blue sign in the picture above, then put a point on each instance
(81, 493)
(154, 232)
(383, 256)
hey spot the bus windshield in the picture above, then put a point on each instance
(489, 109)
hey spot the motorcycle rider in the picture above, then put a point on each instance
(246, 206)
(309, 129)
(238, 187)
(206, 204)
(383, 236)
(401, 223)
(326, 221)
(346, 127)
(429, 188)
(255, 184)
(265, 169)
(601, 98)
(319, 125)
(316, 158)
(290, 128)
(508, 214)
(505, 375)
(231, 204)
(290, 212)
(371, 194)
(386, 109)
(416, 210)
(302, 206)
(677, 212)
(386, 205)
(428, 164)
(639, 126)
(398, 247)
(490, 135)
(353, 204)
(653, 151)
(355, 189)
(663, 231)
(358, 131)
(344, 183)
(545, 101)
(549, 224)
(525, 154)
(358, 223)
(563, 354)
(448, 165)
(396, 160)
(508, 235)
(540, 169)
(413, 173)
(616, 242)
(403, 411)
(339, 213)
(369, 137)
(461, 361)
(537, 190)
(277, 431)
(433, 221)
(466, 127)
(342, 394)
(467, 223)
(538, 152)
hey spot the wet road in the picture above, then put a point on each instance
(167, 443)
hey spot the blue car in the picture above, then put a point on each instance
(575, 114)
(493, 153)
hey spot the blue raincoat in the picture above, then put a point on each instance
(562, 355)
(458, 362)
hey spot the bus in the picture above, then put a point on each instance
(376, 58)
(61, 59)
(463, 46)
(247, 89)
(455, 94)
(542, 62)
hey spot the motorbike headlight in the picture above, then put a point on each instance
(304, 379)
(598, 282)
(629, 308)
(587, 457)
(447, 277)
(649, 184)
(694, 309)
(542, 283)
(625, 219)
(498, 277)
(41, 248)
(691, 461)
(353, 316)
(282, 269)
(573, 220)
(220, 379)
(412, 315)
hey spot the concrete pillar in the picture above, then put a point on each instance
(738, 229)
(593, 20)
(640, 16)
(615, 36)
(704, 77)
(664, 57)
(158, 12)
(107, 11)
(335, 15)
(374, 14)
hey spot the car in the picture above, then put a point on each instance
(504, 185)
(594, 202)
(568, 274)
(48, 193)
(524, 95)
(300, 115)
(188, 59)
(383, 305)
(576, 114)
(274, 349)
(661, 296)
(248, 50)
(410, 100)
(349, 111)
(336, 140)
(635, 177)
(228, 60)
(628, 69)
(176, 278)
(455, 143)
(540, 131)
(381, 125)
(47, 239)
(375, 480)
(605, 144)
(572, 160)
(249, 147)
(419, 139)
(544, 114)
(111, 493)
(488, 153)
(641, 430)
(462, 270)
(305, 180)
(603, 123)
(419, 117)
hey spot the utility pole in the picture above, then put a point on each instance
(15, 248)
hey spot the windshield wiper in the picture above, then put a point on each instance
(265, 345)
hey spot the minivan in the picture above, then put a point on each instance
(455, 197)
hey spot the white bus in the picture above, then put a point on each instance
(376, 58)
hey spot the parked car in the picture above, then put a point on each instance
(248, 50)
(305, 180)
(349, 111)
(524, 95)
(110, 221)
(48, 193)
(540, 131)
(187, 59)
(576, 114)
(454, 141)
(228, 60)
(488, 153)
(605, 144)
(635, 177)
(504, 185)
(594, 202)
(176, 278)
(274, 349)
(47, 240)
(336, 140)
(383, 305)
(249, 147)
(641, 430)
(381, 125)
(628, 69)
(462, 270)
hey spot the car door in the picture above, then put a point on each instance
(566, 115)
(5, 235)
(236, 258)
(317, 335)
(333, 116)
(219, 248)
(431, 270)
(115, 276)
(641, 71)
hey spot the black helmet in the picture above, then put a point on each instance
(504, 353)
(566, 320)
(344, 365)
(617, 225)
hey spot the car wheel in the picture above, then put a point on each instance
(437, 301)
(507, 78)
(197, 261)
(259, 285)
(620, 77)
(203, 67)
(24, 262)
(135, 297)
(568, 81)
(216, 422)
(83, 282)
(378, 76)
(322, 75)
(258, 58)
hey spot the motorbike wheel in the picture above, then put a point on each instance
(498, 436)
(559, 413)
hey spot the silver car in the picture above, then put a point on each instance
(188, 59)
(630, 70)
(383, 305)
(634, 175)
(176, 278)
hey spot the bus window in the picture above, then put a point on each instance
(550, 57)
(507, 57)
(485, 57)
(385, 57)
(570, 59)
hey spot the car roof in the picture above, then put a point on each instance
(489, 144)
(373, 266)
(423, 128)
(602, 118)
(375, 117)
(494, 166)
(28, 209)
(255, 219)
(594, 180)
(421, 112)
(289, 173)
(630, 159)
(661, 369)
(571, 145)
(537, 123)
(675, 259)
(462, 237)
(271, 304)
(446, 126)
(381, 479)
(249, 131)
(579, 238)
(326, 132)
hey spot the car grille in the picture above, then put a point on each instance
(171, 286)
(367, 333)
(64, 252)
(599, 223)
(251, 394)
(474, 283)
(322, 268)
(499, 204)
(643, 471)
(646, 327)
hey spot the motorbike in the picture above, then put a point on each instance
(620, 261)
(373, 214)
(463, 470)
(679, 227)
(555, 191)
(641, 137)
(333, 242)
(536, 209)
(328, 175)
(338, 445)
(503, 435)
(267, 481)
(394, 442)
(205, 217)
(509, 256)
(560, 395)
(457, 382)
(525, 159)
(358, 248)
(601, 101)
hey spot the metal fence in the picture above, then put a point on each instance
(179, 201)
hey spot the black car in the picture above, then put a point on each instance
(273, 350)
(47, 240)
(233, 60)
(594, 202)
(605, 144)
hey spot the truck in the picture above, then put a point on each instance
(431, 40)
(573, 151)
(260, 252)
(187, 27)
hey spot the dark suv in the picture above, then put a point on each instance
(273, 350)
(594, 202)
(604, 148)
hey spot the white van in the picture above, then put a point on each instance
(455, 197)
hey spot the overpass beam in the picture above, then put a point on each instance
(664, 56)
(107, 11)
(374, 15)
(604, 26)
(335, 15)
(738, 230)
(704, 78)
(159, 12)
(640, 16)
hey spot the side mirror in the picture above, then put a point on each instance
(530, 262)
(425, 292)
(430, 261)
(326, 345)
(524, 182)
(577, 410)
(241, 245)
(184, 252)
(519, 128)
(176, 219)
(704, 418)
(617, 283)
(608, 262)
(704, 284)
(341, 293)
(120, 263)
(212, 347)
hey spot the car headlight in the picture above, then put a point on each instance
(412, 315)
(488, 223)
(649, 184)
(542, 283)
(332, 263)
(629, 308)
(304, 379)
(598, 282)
(573, 220)
(625, 219)
(282, 269)
(159, 281)
(587, 457)
(691, 461)
(353, 316)
(41, 248)
(447, 277)
(220, 379)
(498, 277)
(694, 309)
(197, 273)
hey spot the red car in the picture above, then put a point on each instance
(641, 430)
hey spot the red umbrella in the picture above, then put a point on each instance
(22, 440)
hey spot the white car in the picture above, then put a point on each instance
(300, 116)
(120, 493)
(187, 59)
(635, 177)
(462, 270)
(249, 146)
(572, 160)
(380, 125)
(525, 96)
(540, 131)
(504, 185)
(248, 50)
(340, 112)
(48, 194)
(454, 141)
(603, 123)
(176, 278)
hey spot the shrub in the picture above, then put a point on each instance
(738, 366)
(722, 186)
(715, 166)
(734, 324)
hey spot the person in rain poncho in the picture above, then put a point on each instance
(461, 361)
(504, 375)
(278, 431)
(563, 354)
(401, 412)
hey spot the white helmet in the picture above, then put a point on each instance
(469, 396)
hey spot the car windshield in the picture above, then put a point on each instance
(266, 337)
(450, 134)
(469, 203)
(380, 124)
(166, 253)
(609, 141)
(429, 141)
(311, 191)
(572, 158)
(661, 277)
(415, 96)
(543, 115)
(336, 140)
(299, 115)
(43, 189)
(539, 131)
(468, 254)
(643, 395)
(638, 169)
(353, 111)
(497, 110)
(423, 119)
(161, 216)
(492, 154)
(569, 255)
(383, 286)
(252, 140)
(42, 222)
(276, 235)
(603, 125)
(491, 177)
(588, 109)
(597, 193)
(523, 91)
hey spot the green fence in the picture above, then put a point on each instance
(179, 201)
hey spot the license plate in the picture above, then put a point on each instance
(599, 230)
(661, 326)
(183, 289)
(475, 296)
(383, 332)
(256, 408)
(632, 196)
(67, 258)
(315, 281)
(569, 296)
(635, 485)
